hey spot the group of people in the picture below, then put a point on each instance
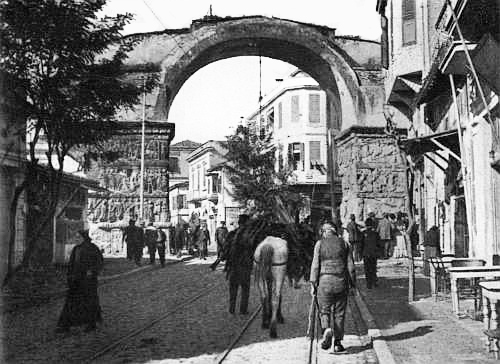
(332, 273)
(136, 237)
(194, 239)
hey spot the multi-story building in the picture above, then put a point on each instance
(443, 76)
(209, 188)
(179, 180)
(295, 114)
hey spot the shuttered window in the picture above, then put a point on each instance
(314, 153)
(295, 108)
(409, 22)
(280, 115)
(314, 108)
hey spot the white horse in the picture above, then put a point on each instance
(271, 257)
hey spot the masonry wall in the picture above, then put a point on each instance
(372, 176)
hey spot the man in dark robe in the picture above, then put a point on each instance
(82, 301)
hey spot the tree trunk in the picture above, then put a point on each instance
(12, 224)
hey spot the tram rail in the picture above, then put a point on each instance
(110, 347)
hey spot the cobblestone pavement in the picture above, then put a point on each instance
(196, 333)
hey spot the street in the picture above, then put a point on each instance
(189, 303)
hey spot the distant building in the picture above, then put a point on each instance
(209, 194)
(179, 180)
(295, 114)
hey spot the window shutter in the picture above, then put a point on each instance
(409, 22)
(314, 116)
(295, 108)
(290, 156)
(280, 115)
(314, 152)
(302, 155)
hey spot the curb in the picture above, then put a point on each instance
(380, 346)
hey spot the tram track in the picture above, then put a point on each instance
(134, 333)
(222, 357)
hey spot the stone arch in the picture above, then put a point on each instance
(177, 54)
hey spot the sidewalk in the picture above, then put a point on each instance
(29, 291)
(424, 332)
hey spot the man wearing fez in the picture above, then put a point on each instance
(82, 302)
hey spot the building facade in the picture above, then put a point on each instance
(209, 195)
(449, 93)
(179, 180)
(295, 115)
(368, 171)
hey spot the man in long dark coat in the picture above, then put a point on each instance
(150, 237)
(130, 238)
(220, 237)
(372, 248)
(82, 301)
(239, 264)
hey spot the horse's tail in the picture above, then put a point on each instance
(263, 271)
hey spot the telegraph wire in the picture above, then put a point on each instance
(164, 27)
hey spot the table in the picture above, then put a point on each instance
(447, 262)
(491, 295)
(456, 273)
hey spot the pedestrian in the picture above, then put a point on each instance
(332, 275)
(432, 247)
(385, 231)
(139, 249)
(371, 250)
(189, 239)
(355, 238)
(161, 237)
(203, 239)
(129, 236)
(150, 237)
(179, 238)
(82, 301)
(220, 237)
(239, 265)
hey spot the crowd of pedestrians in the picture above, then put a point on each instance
(138, 237)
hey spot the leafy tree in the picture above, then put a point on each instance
(56, 55)
(256, 182)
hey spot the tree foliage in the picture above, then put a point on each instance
(56, 55)
(256, 182)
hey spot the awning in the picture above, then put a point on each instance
(446, 141)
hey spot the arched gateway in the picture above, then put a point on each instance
(347, 68)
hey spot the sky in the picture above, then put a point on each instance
(212, 101)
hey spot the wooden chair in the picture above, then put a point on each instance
(442, 276)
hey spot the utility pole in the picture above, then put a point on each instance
(141, 201)
(332, 157)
